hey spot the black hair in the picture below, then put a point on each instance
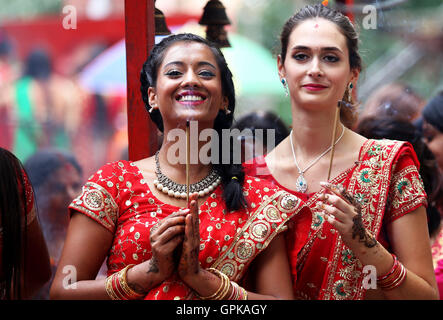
(379, 128)
(44, 162)
(38, 65)
(232, 187)
(433, 111)
(13, 212)
(347, 29)
(263, 120)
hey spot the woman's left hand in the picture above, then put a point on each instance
(344, 213)
(189, 266)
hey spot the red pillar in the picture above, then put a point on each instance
(139, 38)
(350, 4)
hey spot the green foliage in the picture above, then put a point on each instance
(13, 9)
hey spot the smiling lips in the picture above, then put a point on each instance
(190, 98)
(314, 86)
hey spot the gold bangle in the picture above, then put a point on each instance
(245, 294)
(108, 287)
(221, 289)
(225, 289)
(122, 277)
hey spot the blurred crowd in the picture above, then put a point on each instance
(40, 108)
(60, 134)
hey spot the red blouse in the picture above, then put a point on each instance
(386, 182)
(119, 199)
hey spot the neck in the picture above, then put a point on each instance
(172, 154)
(312, 132)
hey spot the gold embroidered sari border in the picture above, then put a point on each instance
(240, 235)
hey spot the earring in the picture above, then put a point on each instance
(285, 85)
(350, 92)
(152, 108)
(227, 111)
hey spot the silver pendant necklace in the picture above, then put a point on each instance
(176, 190)
(301, 183)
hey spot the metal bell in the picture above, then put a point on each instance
(214, 13)
(160, 24)
(215, 18)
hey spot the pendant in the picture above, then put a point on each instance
(301, 184)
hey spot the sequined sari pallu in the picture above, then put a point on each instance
(118, 198)
(386, 182)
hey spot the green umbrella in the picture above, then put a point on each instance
(253, 66)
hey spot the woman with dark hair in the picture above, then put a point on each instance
(24, 259)
(133, 212)
(371, 211)
(432, 126)
(263, 126)
(57, 179)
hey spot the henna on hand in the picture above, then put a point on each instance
(358, 229)
(153, 266)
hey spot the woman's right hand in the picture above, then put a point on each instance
(165, 237)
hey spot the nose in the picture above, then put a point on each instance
(315, 70)
(191, 79)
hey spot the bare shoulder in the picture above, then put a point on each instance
(356, 141)
(146, 166)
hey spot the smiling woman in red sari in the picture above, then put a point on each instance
(133, 212)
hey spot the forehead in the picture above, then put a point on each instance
(317, 33)
(189, 52)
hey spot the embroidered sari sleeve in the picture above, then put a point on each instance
(97, 199)
(406, 190)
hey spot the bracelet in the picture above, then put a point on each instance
(238, 293)
(394, 266)
(222, 290)
(117, 286)
(394, 277)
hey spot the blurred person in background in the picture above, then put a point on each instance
(57, 179)
(432, 126)
(264, 120)
(45, 107)
(24, 258)
(8, 75)
(394, 100)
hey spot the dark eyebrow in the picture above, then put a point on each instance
(201, 63)
(323, 49)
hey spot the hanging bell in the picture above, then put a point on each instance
(215, 18)
(161, 28)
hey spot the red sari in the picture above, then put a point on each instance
(118, 198)
(386, 182)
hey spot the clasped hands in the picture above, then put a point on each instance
(175, 243)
